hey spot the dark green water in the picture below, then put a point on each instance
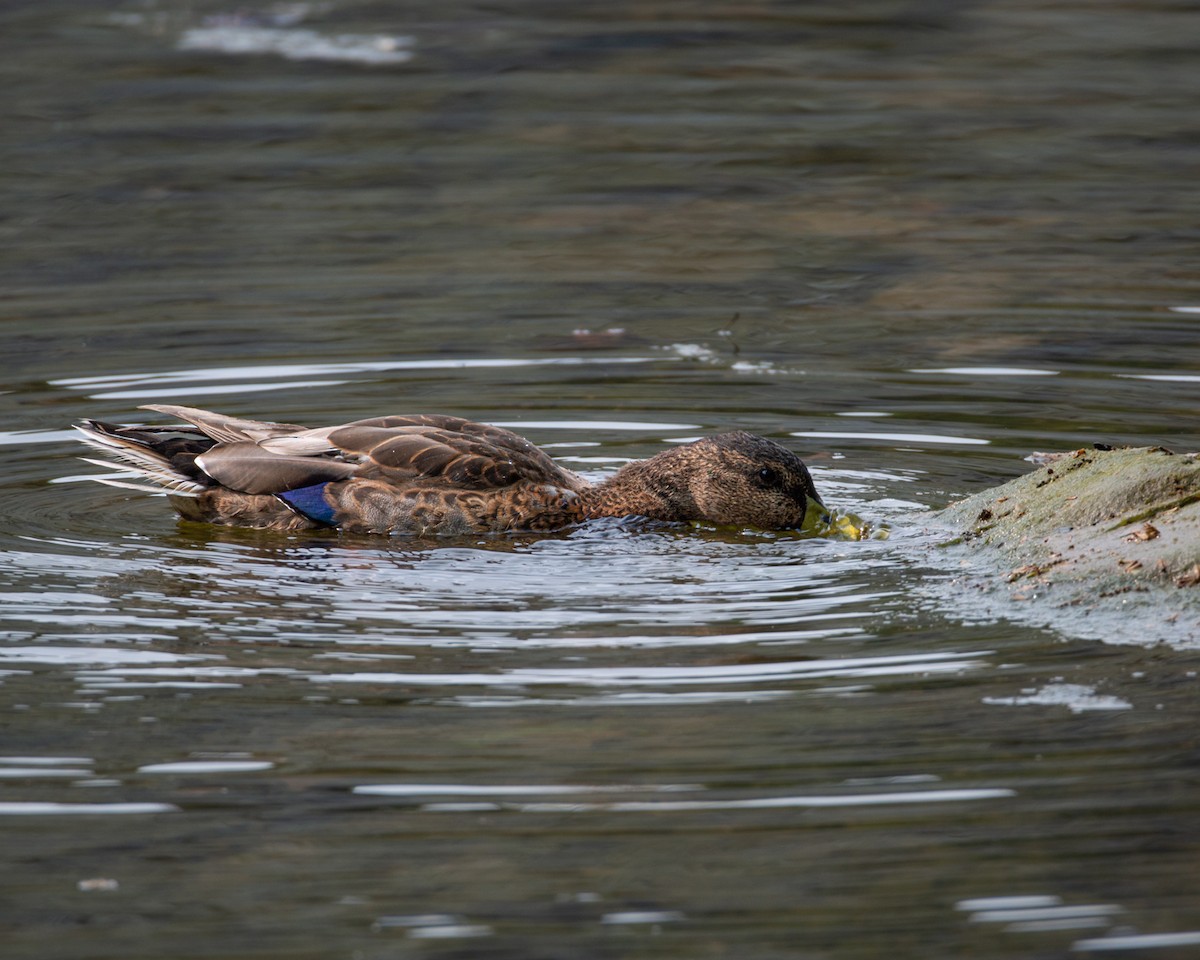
(914, 241)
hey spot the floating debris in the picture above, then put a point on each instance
(1148, 532)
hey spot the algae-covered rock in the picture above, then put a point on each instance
(1093, 530)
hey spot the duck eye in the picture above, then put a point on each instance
(767, 476)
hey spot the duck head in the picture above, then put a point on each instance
(733, 478)
(740, 478)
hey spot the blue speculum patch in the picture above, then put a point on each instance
(311, 502)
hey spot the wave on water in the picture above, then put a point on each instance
(245, 39)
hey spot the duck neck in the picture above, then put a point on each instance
(656, 488)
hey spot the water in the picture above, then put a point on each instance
(914, 242)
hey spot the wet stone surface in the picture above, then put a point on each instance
(1103, 529)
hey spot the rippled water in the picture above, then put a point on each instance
(913, 242)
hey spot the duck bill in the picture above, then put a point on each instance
(817, 518)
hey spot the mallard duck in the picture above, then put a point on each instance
(439, 475)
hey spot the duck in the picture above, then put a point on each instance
(435, 475)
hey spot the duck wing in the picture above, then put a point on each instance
(425, 450)
(439, 451)
(247, 467)
(236, 453)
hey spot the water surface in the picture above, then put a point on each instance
(912, 242)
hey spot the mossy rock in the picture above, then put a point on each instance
(1092, 529)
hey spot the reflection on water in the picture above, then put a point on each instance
(207, 766)
(914, 243)
(297, 44)
(33, 808)
(653, 806)
(668, 676)
(908, 439)
(1076, 697)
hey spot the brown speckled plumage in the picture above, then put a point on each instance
(437, 475)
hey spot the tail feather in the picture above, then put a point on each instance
(139, 487)
(225, 429)
(163, 479)
(131, 453)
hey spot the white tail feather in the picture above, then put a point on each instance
(110, 464)
(126, 453)
(141, 487)
(172, 483)
(143, 462)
